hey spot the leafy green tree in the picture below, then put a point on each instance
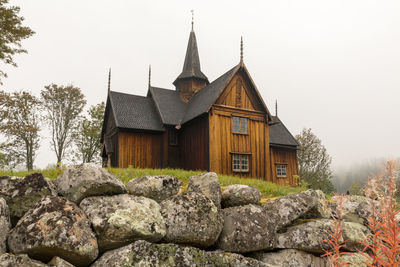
(355, 189)
(12, 32)
(87, 136)
(19, 123)
(63, 105)
(314, 162)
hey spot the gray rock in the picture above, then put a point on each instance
(239, 195)
(307, 204)
(246, 229)
(21, 260)
(22, 193)
(142, 253)
(158, 188)
(121, 219)
(290, 258)
(58, 262)
(356, 259)
(191, 219)
(55, 227)
(356, 208)
(310, 236)
(207, 184)
(5, 225)
(80, 181)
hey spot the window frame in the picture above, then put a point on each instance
(279, 167)
(237, 160)
(241, 121)
(172, 137)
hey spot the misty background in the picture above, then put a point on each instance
(333, 66)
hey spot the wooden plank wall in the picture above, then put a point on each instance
(288, 157)
(223, 142)
(193, 144)
(141, 150)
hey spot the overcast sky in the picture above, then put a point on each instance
(334, 66)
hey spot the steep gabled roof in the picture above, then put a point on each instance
(135, 112)
(280, 135)
(169, 104)
(191, 66)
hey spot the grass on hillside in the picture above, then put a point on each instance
(268, 189)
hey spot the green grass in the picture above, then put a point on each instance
(268, 189)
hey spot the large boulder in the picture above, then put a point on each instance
(55, 227)
(80, 181)
(307, 204)
(121, 219)
(208, 185)
(290, 258)
(21, 260)
(356, 208)
(155, 187)
(240, 195)
(22, 193)
(246, 229)
(310, 236)
(356, 259)
(142, 253)
(191, 219)
(5, 225)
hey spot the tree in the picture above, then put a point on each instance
(87, 136)
(12, 32)
(19, 122)
(63, 105)
(355, 189)
(314, 162)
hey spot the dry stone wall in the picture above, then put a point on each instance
(87, 217)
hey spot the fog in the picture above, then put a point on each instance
(333, 66)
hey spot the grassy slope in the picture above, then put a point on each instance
(269, 190)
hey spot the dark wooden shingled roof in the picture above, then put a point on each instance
(135, 112)
(280, 135)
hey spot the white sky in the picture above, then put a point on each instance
(334, 66)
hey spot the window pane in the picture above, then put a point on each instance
(235, 124)
(245, 163)
(243, 125)
(236, 162)
(281, 170)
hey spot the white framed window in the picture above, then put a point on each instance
(281, 170)
(239, 125)
(240, 163)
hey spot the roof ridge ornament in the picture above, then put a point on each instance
(192, 18)
(149, 75)
(276, 107)
(241, 49)
(109, 79)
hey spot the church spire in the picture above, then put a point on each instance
(109, 79)
(191, 72)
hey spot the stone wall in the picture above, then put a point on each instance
(88, 217)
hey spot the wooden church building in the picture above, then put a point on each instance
(223, 126)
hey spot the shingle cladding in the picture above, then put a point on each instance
(135, 112)
(169, 105)
(280, 135)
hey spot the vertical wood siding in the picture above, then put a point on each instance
(289, 158)
(193, 144)
(141, 150)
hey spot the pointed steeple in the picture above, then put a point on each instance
(109, 79)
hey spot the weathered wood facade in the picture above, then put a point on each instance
(223, 126)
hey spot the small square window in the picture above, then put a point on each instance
(173, 138)
(240, 163)
(239, 125)
(280, 170)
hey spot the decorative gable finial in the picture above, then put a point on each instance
(192, 17)
(109, 79)
(276, 108)
(241, 49)
(149, 75)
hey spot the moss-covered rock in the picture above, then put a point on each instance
(290, 258)
(80, 181)
(5, 225)
(55, 227)
(207, 184)
(58, 262)
(142, 253)
(21, 260)
(121, 219)
(191, 219)
(158, 187)
(22, 193)
(239, 195)
(246, 229)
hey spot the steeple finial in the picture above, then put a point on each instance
(241, 49)
(109, 79)
(192, 17)
(276, 108)
(149, 75)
